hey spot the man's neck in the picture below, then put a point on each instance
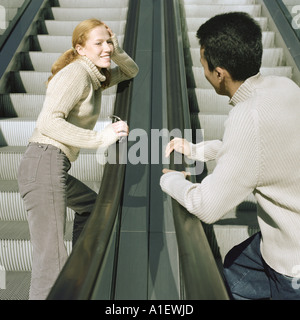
(232, 87)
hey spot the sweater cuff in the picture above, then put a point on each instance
(117, 48)
(107, 136)
(205, 151)
(174, 184)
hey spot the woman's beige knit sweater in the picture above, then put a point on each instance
(260, 153)
(72, 105)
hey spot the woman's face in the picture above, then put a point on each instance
(98, 47)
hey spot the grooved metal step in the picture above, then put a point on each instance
(214, 9)
(93, 4)
(71, 14)
(206, 101)
(193, 24)
(12, 206)
(43, 61)
(17, 285)
(11, 135)
(197, 78)
(214, 2)
(268, 39)
(272, 57)
(19, 230)
(65, 28)
(26, 105)
(30, 104)
(87, 167)
(213, 125)
(53, 43)
(16, 254)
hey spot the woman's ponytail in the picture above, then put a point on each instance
(65, 59)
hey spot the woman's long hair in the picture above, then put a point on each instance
(80, 36)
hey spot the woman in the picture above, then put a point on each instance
(65, 124)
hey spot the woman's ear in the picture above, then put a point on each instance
(80, 50)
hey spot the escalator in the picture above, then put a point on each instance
(138, 244)
(20, 106)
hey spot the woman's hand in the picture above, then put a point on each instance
(178, 144)
(121, 128)
(109, 30)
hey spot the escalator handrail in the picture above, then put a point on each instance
(14, 34)
(283, 20)
(288, 16)
(201, 277)
(13, 23)
(87, 260)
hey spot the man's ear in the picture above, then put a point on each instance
(221, 73)
(80, 50)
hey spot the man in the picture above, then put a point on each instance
(259, 153)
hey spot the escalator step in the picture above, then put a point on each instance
(198, 80)
(17, 285)
(87, 167)
(272, 57)
(26, 105)
(16, 254)
(66, 28)
(11, 135)
(214, 2)
(93, 3)
(208, 102)
(214, 9)
(268, 40)
(78, 14)
(193, 24)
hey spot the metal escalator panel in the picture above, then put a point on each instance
(20, 103)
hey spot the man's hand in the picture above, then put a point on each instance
(186, 174)
(178, 144)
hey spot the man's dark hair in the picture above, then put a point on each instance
(232, 41)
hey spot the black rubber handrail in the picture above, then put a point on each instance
(283, 20)
(200, 273)
(14, 35)
(87, 260)
(13, 23)
(288, 16)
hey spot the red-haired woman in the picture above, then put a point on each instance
(66, 124)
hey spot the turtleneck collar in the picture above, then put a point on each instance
(245, 90)
(96, 75)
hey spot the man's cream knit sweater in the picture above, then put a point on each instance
(260, 153)
(72, 105)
